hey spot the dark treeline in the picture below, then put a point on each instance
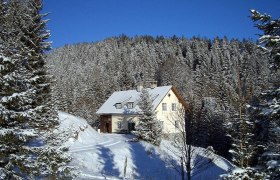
(222, 76)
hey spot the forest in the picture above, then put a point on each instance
(224, 79)
(87, 73)
(230, 85)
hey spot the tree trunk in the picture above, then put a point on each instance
(188, 131)
(188, 164)
(241, 136)
(182, 169)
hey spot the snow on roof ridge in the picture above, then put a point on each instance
(144, 88)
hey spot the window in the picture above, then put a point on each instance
(173, 106)
(118, 105)
(119, 124)
(130, 105)
(164, 107)
(176, 124)
(161, 124)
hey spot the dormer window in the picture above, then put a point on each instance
(118, 105)
(130, 105)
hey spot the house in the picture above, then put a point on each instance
(121, 111)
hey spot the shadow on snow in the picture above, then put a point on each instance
(107, 157)
(205, 168)
(149, 165)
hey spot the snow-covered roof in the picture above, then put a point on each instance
(124, 97)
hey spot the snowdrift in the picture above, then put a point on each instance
(114, 156)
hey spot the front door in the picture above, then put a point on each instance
(131, 126)
(107, 127)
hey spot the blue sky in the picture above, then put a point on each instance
(75, 21)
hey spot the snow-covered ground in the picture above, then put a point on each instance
(103, 156)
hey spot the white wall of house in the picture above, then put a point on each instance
(169, 115)
(120, 122)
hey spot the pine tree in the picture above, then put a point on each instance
(27, 116)
(270, 40)
(148, 128)
(265, 112)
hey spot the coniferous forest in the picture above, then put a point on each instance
(227, 80)
(231, 86)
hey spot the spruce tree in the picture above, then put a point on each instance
(27, 116)
(265, 112)
(148, 128)
(270, 39)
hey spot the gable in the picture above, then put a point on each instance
(172, 94)
(180, 98)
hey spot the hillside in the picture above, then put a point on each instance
(221, 73)
(100, 156)
(88, 73)
(203, 107)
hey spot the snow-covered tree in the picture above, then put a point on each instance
(148, 128)
(111, 65)
(270, 39)
(27, 115)
(265, 111)
(257, 148)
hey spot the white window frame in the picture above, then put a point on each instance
(119, 125)
(164, 107)
(118, 105)
(173, 106)
(130, 105)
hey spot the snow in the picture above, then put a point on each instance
(265, 36)
(271, 154)
(276, 129)
(273, 164)
(103, 156)
(27, 132)
(253, 10)
(5, 131)
(266, 111)
(234, 173)
(4, 59)
(123, 97)
(35, 78)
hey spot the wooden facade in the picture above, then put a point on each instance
(106, 123)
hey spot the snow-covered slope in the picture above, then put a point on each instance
(100, 156)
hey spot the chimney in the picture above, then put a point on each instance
(153, 84)
(139, 86)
